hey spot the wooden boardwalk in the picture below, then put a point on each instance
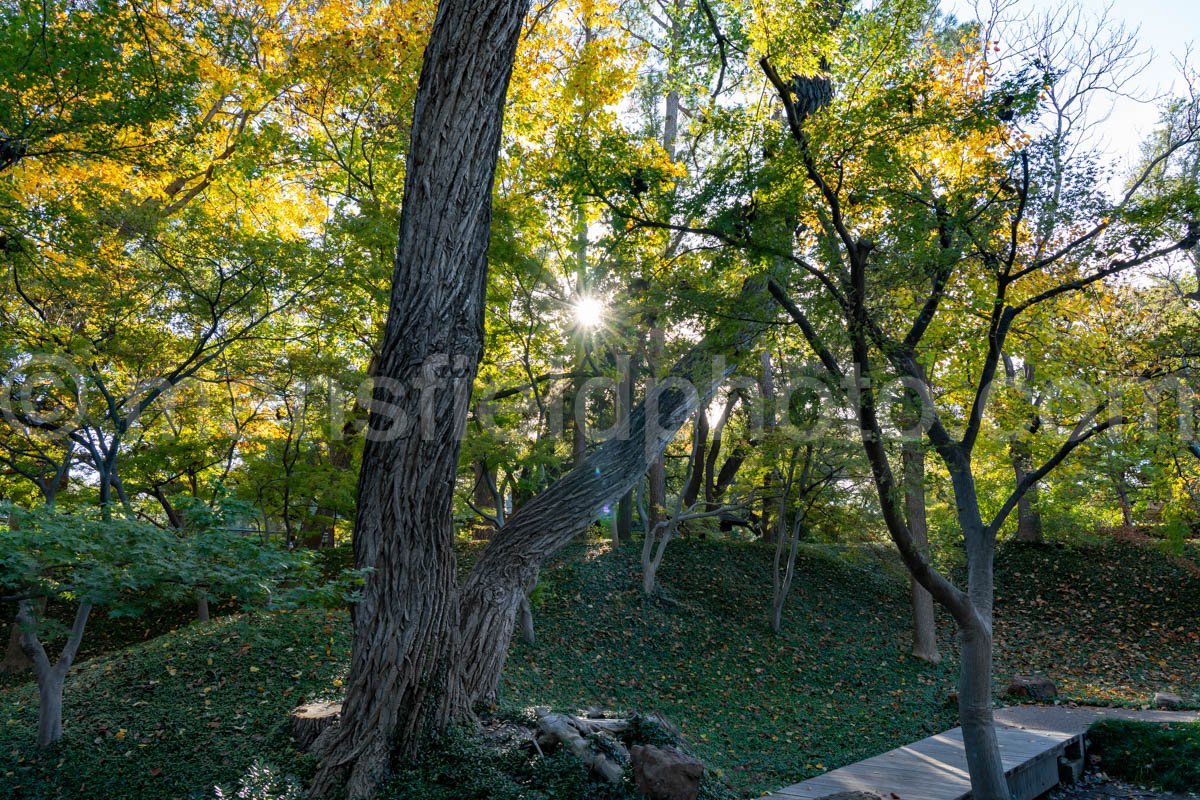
(936, 768)
(1033, 739)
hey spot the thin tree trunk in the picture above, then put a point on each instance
(657, 475)
(691, 490)
(623, 530)
(50, 677)
(654, 545)
(578, 406)
(1123, 499)
(767, 387)
(975, 715)
(403, 688)
(15, 659)
(50, 707)
(202, 612)
(924, 621)
(714, 452)
(493, 589)
(1029, 519)
(782, 577)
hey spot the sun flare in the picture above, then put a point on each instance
(589, 312)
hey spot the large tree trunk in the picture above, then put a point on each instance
(924, 622)
(402, 686)
(493, 590)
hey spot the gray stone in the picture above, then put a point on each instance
(1032, 687)
(664, 773)
(1167, 700)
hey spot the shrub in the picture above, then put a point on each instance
(1166, 756)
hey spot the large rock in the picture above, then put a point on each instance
(1167, 700)
(664, 773)
(1032, 687)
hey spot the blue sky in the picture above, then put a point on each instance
(1166, 27)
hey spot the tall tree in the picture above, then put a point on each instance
(401, 688)
(948, 219)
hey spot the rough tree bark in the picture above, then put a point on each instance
(496, 584)
(402, 689)
(924, 621)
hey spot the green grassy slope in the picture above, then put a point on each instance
(174, 716)
(835, 687)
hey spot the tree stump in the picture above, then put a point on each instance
(309, 720)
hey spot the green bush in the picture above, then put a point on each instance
(1165, 756)
(331, 562)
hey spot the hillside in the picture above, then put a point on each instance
(173, 716)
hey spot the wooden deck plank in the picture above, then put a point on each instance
(934, 768)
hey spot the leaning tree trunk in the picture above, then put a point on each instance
(402, 686)
(924, 621)
(492, 592)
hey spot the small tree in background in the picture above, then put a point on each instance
(125, 565)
